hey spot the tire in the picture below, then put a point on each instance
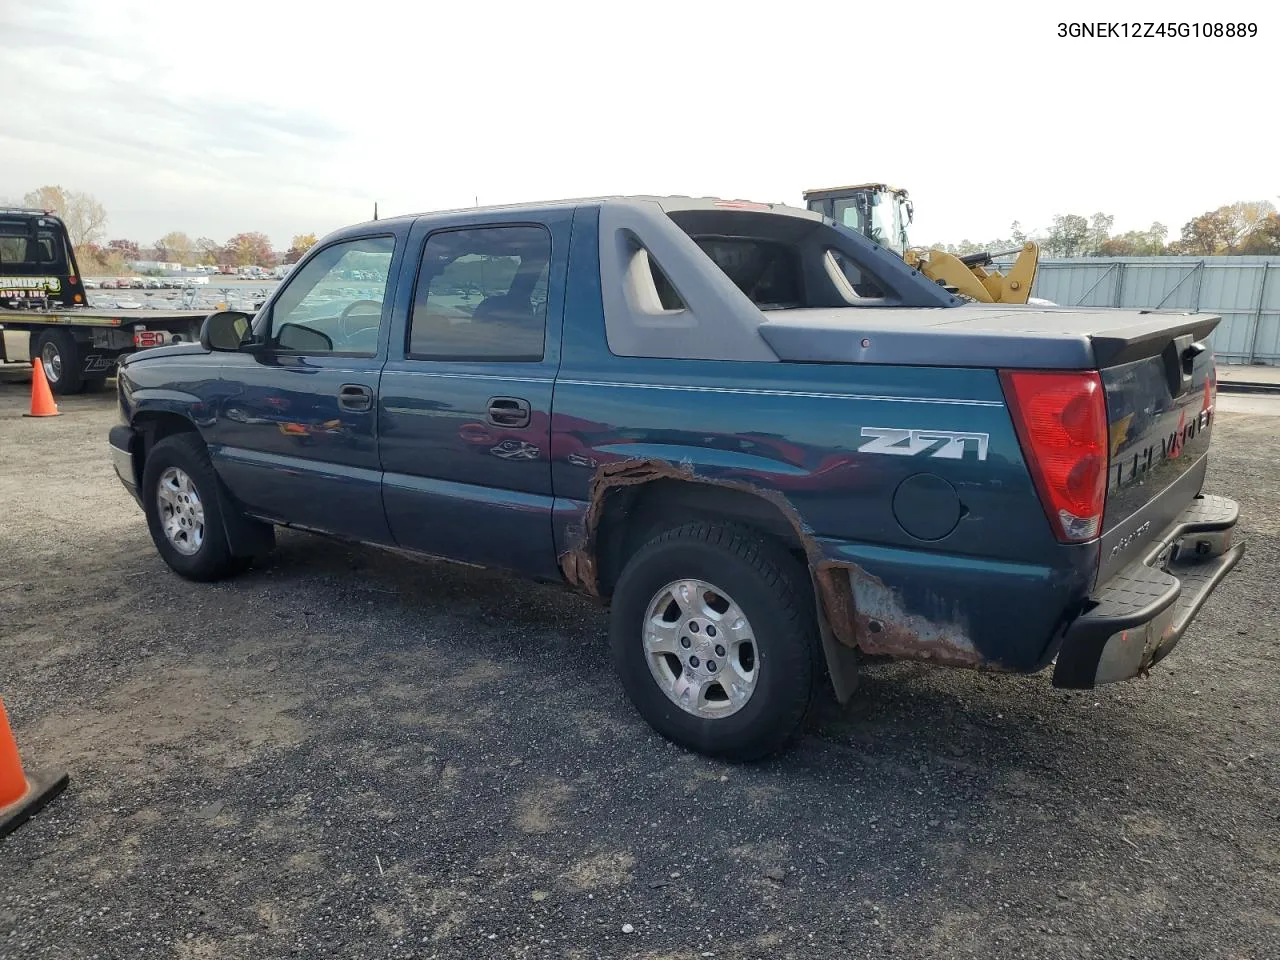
(769, 588)
(200, 550)
(62, 358)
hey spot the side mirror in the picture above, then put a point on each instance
(224, 330)
(304, 339)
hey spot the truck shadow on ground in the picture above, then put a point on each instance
(985, 726)
(488, 709)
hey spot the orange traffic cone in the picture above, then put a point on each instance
(42, 404)
(21, 797)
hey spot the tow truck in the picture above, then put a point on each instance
(42, 294)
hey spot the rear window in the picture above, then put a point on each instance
(767, 272)
(26, 249)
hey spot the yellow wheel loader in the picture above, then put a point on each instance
(881, 213)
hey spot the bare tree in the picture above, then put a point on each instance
(176, 245)
(85, 217)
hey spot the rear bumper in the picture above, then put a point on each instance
(120, 441)
(1137, 618)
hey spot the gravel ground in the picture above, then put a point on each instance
(346, 754)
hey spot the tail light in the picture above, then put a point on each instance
(1061, 419)
(148, 338)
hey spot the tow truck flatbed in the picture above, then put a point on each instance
(80, 346)
(23, 319)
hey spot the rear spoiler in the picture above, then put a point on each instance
(1137, 341)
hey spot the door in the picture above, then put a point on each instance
(295, 437)
(465, 405)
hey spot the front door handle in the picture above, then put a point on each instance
(355, 396)
(508, 412)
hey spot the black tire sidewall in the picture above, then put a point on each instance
(780, 701)
(213, 560)
(72, 377)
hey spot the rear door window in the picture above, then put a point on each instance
(482, 295)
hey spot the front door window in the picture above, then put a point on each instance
(333, 303)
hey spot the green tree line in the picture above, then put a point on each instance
(1237, 229)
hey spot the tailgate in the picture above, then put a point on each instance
(1160, 414)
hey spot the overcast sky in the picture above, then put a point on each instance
(215, 118)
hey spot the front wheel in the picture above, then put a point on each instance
(180, 496)
(715, 640)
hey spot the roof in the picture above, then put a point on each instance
(26, 212)
(816, 191)
(667, 203)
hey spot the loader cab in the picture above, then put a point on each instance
(37, 265)
(879, 212)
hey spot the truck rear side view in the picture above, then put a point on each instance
(769, 444)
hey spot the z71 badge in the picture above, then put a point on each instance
(943, 444)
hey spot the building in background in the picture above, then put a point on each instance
(156, 266)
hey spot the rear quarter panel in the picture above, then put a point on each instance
(990, 590)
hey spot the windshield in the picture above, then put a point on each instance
(887, 228)
(881, 222)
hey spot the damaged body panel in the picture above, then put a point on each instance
(580, 565)
(858, 609)
(578, 559)
(883, 627)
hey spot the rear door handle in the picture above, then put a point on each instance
(355, 396)
(508, 412)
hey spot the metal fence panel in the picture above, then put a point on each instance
(1266, 341)
(1244, 290)
(1234, 335)
(1233, 290)
(1076, 282)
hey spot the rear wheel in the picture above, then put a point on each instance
(715, 641)
(61, 357)
(180, 496)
